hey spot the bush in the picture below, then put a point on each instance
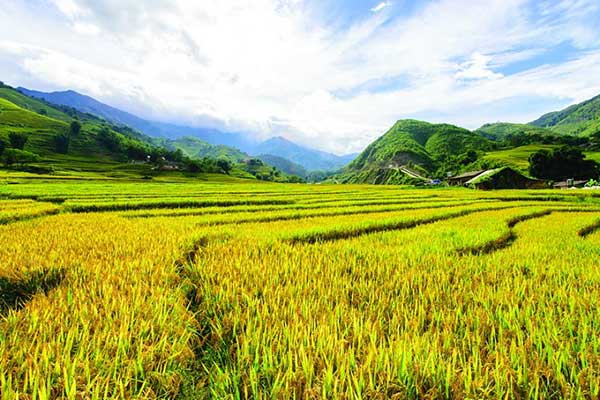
(17, 140)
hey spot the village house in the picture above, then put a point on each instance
(498, 178)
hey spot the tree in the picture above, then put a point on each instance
(75, 128)
(224, 165)
(2, 146)
(109, 139)
(468, 157)
(136, 151)
(19, 157)
(17, 140)
(62, 142)
(563, 163)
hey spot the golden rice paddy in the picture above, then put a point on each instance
(124, 290)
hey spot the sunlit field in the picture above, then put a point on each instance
(123, 290)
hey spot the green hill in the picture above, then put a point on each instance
(581, 119)
(500, 131)
(429, 149)
(98, 147)
(84, 151)
(518, 157)
(284, 165)
(243, 165)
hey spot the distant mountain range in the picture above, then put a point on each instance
(61, 139)
(309, 159)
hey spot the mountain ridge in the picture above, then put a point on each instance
(582, 119)
(310, 159)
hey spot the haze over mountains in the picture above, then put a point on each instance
(310, 159)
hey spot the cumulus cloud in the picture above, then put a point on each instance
(269, 67)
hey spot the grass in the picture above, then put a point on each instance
(518, 157)
(241, 289)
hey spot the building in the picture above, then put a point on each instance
(570, 183)
(460, 180)
(504, 178)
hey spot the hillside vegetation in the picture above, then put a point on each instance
(429, 148)
(284, 165)
(500, 131)
(439, 150)
(198, 148)
(111, 150)
(310, 159)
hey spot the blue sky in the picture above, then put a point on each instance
(332, 74)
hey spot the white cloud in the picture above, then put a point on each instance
(86, 29)
(269, 67)
(380, 6)
(477, 68)
(70, 8)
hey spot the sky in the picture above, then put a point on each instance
(330, 74)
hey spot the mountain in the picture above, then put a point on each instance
(285, 165)
(52, 144)
(412, 148)
(90, 105)
(197, 148)
(310, 159)
(581, 119)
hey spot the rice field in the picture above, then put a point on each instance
(267, 291)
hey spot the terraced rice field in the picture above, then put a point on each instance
(271, 291)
